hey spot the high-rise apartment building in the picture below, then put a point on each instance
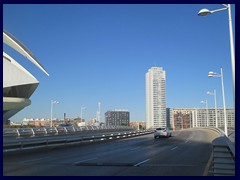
(155, 98)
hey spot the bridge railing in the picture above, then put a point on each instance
(60, 130)
(223, 155)
(36, 143)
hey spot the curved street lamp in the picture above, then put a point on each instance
(82, 108)
(204, 12)
(215, 102)
(213, 74)
(205, 102)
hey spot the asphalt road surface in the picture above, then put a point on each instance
(185, 154)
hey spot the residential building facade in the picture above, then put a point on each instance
(117, 118)
(155, 98)
(182, 118)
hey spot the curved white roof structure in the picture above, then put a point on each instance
(18, 83)
(18, 46)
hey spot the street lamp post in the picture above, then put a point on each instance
(213, 74)
(182, 122)
(52, 102)
(215, 102)
(196, 117)
(205, 102)
(82, 108)
(204, 12)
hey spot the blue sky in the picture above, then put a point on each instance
(101, 53)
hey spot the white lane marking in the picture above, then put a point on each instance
(188, 139)
(85, 160)
(33, 160)
(134, 148)
(174, 148)
(138, 164)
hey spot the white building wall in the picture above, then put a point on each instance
(155, 98)
(199, 117)
(18, 83)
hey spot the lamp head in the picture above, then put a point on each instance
(55, 102)
(210, 74)
(204, 12)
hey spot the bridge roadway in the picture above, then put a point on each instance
(185, 154)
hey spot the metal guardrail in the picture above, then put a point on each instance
(66, 140)
(223, 163)
(23, 132)
(223, 155)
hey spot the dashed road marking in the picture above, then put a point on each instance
(31, 160)
(134, 148)
(85, 160)
(138, 164)
(174, 148)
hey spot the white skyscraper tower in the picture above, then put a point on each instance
(156, 98)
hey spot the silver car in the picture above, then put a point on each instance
(162, 131)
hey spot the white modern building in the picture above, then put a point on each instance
(199, 117)
(155, 98)
(183, 118)
(18, 83)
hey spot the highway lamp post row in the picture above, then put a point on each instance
(213, 74)
(215, 102)
(205, 102)
(204, 12)
(52, 102)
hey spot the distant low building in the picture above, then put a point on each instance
(25, 121)
(93, 122)
(15, 124)
(138, 125)
(38, 123)
(81, 124)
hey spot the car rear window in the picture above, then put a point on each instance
(160, 129)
